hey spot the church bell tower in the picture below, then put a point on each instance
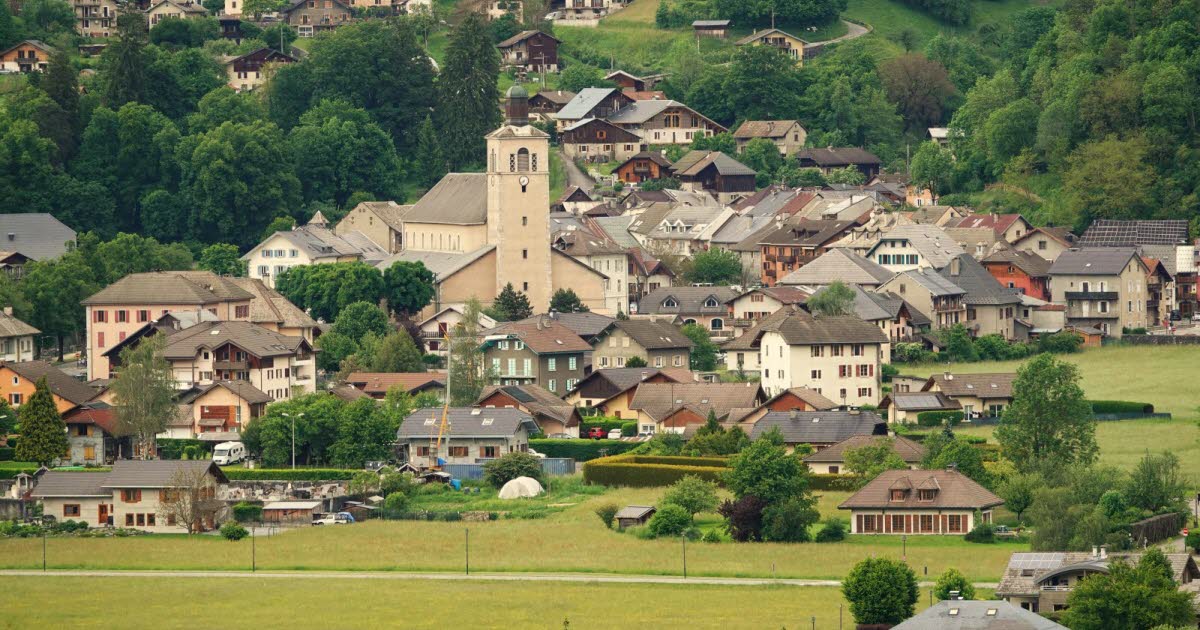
(518, 202)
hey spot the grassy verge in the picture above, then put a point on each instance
(82, 602)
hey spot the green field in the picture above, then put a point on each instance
(331, 603)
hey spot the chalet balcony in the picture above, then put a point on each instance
(741, 323)
(1076, 312)
(1093, 295)
(231, 365)
(432, 334)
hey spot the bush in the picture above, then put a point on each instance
(604, 422)
(1064, 342)
(827, 481)
(1193, 541)
(834, 530)
(788, 521)
(7, 453)
(937, 418)
(247, 512)
(1120, 406)
(607, 513)
(498, 472)
(628, 429)
(288, 474)
(231, 530)
(173, 448)
(651, 471)
(581, 450)
(711, 536)
(983, 533)
(395, 503)
(669, 520)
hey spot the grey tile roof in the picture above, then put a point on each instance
(170, 287)
(442, 264)
(586, 325)
(1026, 570)
(908, 450)
(12, 327)
(659, 400)
(458, 199)
(522, 36)
(932, 281)
(807, 233)
(738, 228)
(977, 615)
(241, 389)
(583, 103)
(1092, 261)
(653, 335)
(269, 306)
(839, 264)
(639, 112)
(542, 335)
(934, 245)
(318, 241)
(688, 301)
(617, 229)
(535, 399)
(1114, 233)
(839, 156)
(157, 473)
(70, 484)
(994, 385)
(1033, 265)
(37, 235)
(922, 401)
(981, 286)
(799, 327)
(763, 128)
(1164, 254)
(252, 338)
(61, 384)
(819, 427)
(465, 422)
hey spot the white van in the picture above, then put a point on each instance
(227, 453)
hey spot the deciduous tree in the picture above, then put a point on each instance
(1142, 596)
(881, 591)
(715, 266)
(835, 299)
(144, 393)
(919, 87)
(408, 287)
(222, 259)
(1049, 419)
(704, 351)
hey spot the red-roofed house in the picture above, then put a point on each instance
(377, 384)
(1009, 226)
(92, 436)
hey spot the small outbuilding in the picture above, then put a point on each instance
(520, 488)
(290, 512)
(711, 28)
(633, 515)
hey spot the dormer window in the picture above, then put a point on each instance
(711, 302)
(926, 495)
(670, 303)
(898, 495)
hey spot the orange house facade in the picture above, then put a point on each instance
(17, 388)
(1012, 276)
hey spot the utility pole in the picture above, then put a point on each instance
(467, 531)
(684, 538)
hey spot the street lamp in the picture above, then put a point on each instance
(904, 548)
(293, 419)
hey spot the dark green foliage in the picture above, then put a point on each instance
(504, 27)
(1120, 406)
(607, 513)
(580, 450)
(324, 290)
(704, 351)
(693, 494)
(955, 12)
(43, 433)
(715, 266)
(231, 530)
(881, 591)
(396, 503)
(467, 92)
(565, 301)
(511, 305)
(365, 432)
(344, 152)
(432, 166)
(633, 362)
(982, 533)
(47, 20)
(500, 471)
(1048, 420)
(834, 530)
(1060, 343)
(247, 512)
(789, 520)
(835, 299)
(764, 13)
(647, 471)
(669, 520)
(919, 87)
(1156, 484)
(953, 581)
(1193, 541)
(578, 76)
(938, 418)
(1144, 596)
(358, 319)
(222, 259)
(189, 33)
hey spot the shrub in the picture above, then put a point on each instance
(669, 520)
(498, 472)
(395, 503)
(231, 530)
(789, 520)
(651, 471)
(288, 474)
(937, 418)
(604, 422)
(1063, 342)
(743, 518)
(692, 494)
(834, 530)
(247, 512)
(581, 450)
(173, 448)
(953, 581)
(628, 429)
(827, 481)
(711, 536)
(7, 453)
(983, 533)
(1193, 541)
(1120, 406)
(607, 513)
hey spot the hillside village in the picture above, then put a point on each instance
(832, 314)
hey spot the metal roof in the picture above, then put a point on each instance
(457, 199)
(37, 235)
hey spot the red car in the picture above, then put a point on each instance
(597, 433)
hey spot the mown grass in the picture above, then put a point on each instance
(84, 602)
(890, 18)
(573, 540)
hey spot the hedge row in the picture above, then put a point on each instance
(681, 460)
(288, 474)
(1120, 406)
(7, 453)
(626, 470)
(174, 448)
(937, 418)
(580, 450)
(824, 481)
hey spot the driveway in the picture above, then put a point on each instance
(575, 177)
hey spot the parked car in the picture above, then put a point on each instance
(596, 433)
(561, 436)
(1196, 317)
(227, 453)
(338, 518)
(614, 434)
(537, 454)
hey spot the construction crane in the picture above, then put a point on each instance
(435, 448)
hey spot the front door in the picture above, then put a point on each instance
(103, 515)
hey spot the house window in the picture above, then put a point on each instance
(131, 496)
(671, 303)
(718, 323)
(925, 495)
(551, 364)
(658, 362)
(955, 523)
(897, 523)
(143, 316)
(422, 451)
(571, 363)
(128, 520)
(711, 302)
(241, 311)
(150, 520)
(870, 523)
(141, 520)
(70, 509)
(678, 362)
(818, 351)
(15, 398)
(898, 495)
(458, 451)
(489, 451)
(926, 523)
(552, 385)
(864, 392)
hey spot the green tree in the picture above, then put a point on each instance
(467, 92)
(952, 580)
(867, 462)
(316, 419)
(1099, 188)
(43, 432)
(61, 83)
(432, 166)
(55, 290)
(468, 372)
(962, 455)
(715, 266)
(669, 520)
(504, 469)
(345, 152)
(959, 345)
(131, 253)
(222, 259)
(565, 301)
(763, 156)
(633, 362)
(334, 348)
(834, 300)
(511, 305)
(919, 87)
(124, 62)
(47, 20)
(359, 318)
(279, 36)
(1018, 492)
(225, 105)
(766, 470)
(144, 393)
(932, 167)
(1156, 484)
(278, 224)
(364, 433)
(258, 7)
(1049, 420)
(324, 290)
(704, 351)
(789, 520)
(397, 352)
(8, 418)
(723, 142)
(881, 591)
(692, 494)
(10, 32)
(1144, 596)
(579, 76)
(408, 287)
(848, 175)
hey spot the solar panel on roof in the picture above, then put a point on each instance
(1036, 561)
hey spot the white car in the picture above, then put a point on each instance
(614, 434)
(340, 518)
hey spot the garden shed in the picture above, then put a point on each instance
(632, 515)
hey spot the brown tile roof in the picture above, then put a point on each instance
(998, 223)
(586, 325)
(522, 36)
(807, 233)
(810, 396)
(348, 393)
(241, 389)
(536, 400)
(763, 129)
(169, 287)
(999, 385)
(558, 97)
(954, 490)
(61, 384)
(100, 414)
(799, 327)
(156, 473)
(653, 335)
(269, 306)
(381, 382)
(908, 450)
(542, 335)
(12, 327)
(252, 338)
(842, 156)
(659, 400)
(389, 212)
(1033, 265)
(688, 300)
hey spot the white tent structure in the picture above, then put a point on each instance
(521, 487)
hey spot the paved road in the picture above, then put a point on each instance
(853, 31)
(494, 577)
(575, 177)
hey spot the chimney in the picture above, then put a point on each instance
(792, 415)
(8, 311)
(553, 314)
(1095, 551)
